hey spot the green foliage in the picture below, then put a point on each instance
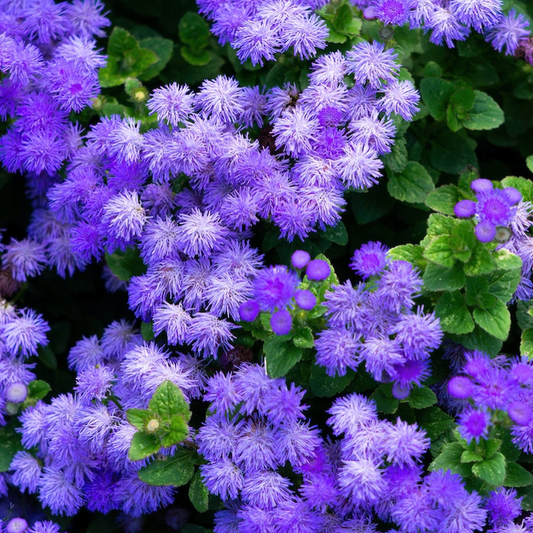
(163, 424)
(413, 184)
(125, 264)
(9, 445)
(172, 471)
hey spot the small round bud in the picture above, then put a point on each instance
(465, 209)
(514, 195)
(460, 387)
(318, 270)
(17, 525)
(399, 392)
(305, 299)
(12, 408)
(485, 231)
(153, 425)
(249, 310)
(519, 413)
(300, 258)
(481, 185)
(16, 392)
(281, 322)
(502, 234)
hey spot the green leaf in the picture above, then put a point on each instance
(439, 225)
(178, 431)
(38, 389)
(421, 397)
(469, 456)
(47, 356)
(463, 240)
(434, 421)
(412, 185)
(453, 313)
(385, 402)
(325, 386)
(9, 445)
(496, 320)
(336, 234)
(450, 459)
(491, 470)
(193, 30)
(524, 319)
(396, 159)
(452, 152)
(139, 417)
(517, 476)
(443, 199)
(172, 471)
(440, 251)
(480, 340)
(281, 356)
(485, 114)
(506, 260)
(491, 447)
(126, 264)
(529, 162)
(412, 253)
(143, 445)
(195, 57)
(436, 94)
(147, 330)
(439, 278)
(480, 262)
(198, 494)
(503, 283)
(163, 49)
(370, 205)
(168, 400)
(526, 342)
(303, 337)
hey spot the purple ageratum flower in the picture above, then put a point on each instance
(172, 103)
(86, 18)
(265, 489)
(465, 208)
(446, 27)
(223, 478)
(397, 286)
(255, 447)
(400, 98)
(174, 320)
(16, 525)
(337, 350)
(27, 471)
(371, 63)
(94, 383)
(329, 69)
(305, 299)
(503, 507)
(207, 334)
(361, 481)
(508, 32)
(200, 232)
(305, 35)
(124, 216)
(349, 414)
(473, 424)
(393, 12)
(520, 413)
(360, 166)
(381, 355)
(221, 98)
(25, 332)
(257, 40)
(404, 443)
(373, 131)
(225, 293)
(464, 514)
(370, 259)
(274, 287)
(317, 270)
(480, 14)
(222, 392)
(295, 130)
(86, 354)
(25, 258)
(460, 387)
(415, 512)
(300, 258)
(44, 22)
(57, 492)
(126, 140)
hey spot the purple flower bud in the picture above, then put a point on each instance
(485, 231)
(305, 299)
(300, 258)
(16, 392)
(281, 322)
(17, 525)
(249, 310)
(465, 208)
(513, 195)
(481, 185)
(400, 392)
(317, 269)
(520, 413)
(460, 387)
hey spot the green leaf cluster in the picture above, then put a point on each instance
(163, 424)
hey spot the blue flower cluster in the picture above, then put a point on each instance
(492, 386)
(375, 322)
(77, 446)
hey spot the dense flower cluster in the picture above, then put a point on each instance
(375, 322)
(492, 386)
(82, 439)
(50, 61)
